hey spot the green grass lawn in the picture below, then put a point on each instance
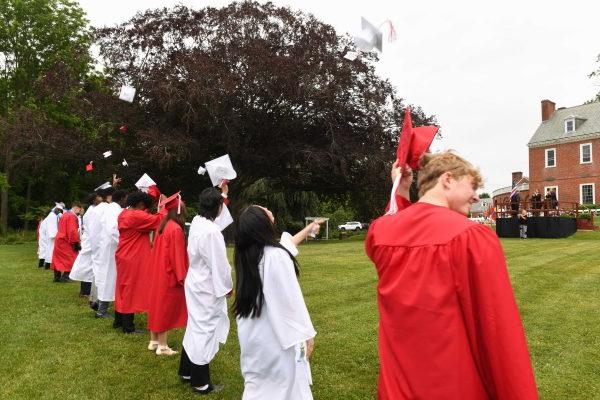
(53, 348)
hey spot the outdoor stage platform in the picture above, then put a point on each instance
(538, 227)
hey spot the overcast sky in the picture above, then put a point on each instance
(481, 68)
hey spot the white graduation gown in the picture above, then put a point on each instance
(269, 343)
(51, 222)
(42, 239)
(104, 237)
(82, 267)
(207, 282)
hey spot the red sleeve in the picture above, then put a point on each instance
(491, 316)
(369, 249)
(146, 221)
(401, 201)
(72, 230)
(178, 257)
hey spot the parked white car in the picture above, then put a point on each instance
(350, 226)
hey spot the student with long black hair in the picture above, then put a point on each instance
(274, 328)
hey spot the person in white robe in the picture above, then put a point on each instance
(42, 239)
(51, 226)
(82, 267)
(207, 285)
(104, 237)
(275, 331)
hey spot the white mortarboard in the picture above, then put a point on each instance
(201, 170)
(369, 37)
(352, 55)
(220, 169)
(60, 206)
(105, 185)
(124, 163)
(127, 93)
(107, 154)
(144, 183)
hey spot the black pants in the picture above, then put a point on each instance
(57, 275)
(200, 374)
(41, 263)
(85, 288)
(46, 265)
(124, 321)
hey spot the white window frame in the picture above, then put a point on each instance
(567, 121)
(581, 153)
(593, 185)
(550, 187)
(546, 157)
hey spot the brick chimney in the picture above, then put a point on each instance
(517, 176)
(548, 108)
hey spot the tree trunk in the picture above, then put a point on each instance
(27, 203)
(4, 206)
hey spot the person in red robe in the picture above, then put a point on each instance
(449, 326)
(169, 266)
(66, 244)
(132, 259)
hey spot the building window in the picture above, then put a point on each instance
(545, 194)
(550, 158)
(587, 193)
(585, 153)
(569, 125)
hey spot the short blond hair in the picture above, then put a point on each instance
(432, 166)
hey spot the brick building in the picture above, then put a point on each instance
(561, 153)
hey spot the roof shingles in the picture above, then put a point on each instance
(552, 131)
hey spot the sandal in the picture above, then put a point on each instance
(165, 351)
(153, 345)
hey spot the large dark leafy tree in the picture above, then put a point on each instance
(43, 51)
(267, 85)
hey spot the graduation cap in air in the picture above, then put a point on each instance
(171, 202)
(123, 129)
(107, 154)
(124, 163)
(369, 36)
(414, 142)
(89, 167)
(105, 185)
(220, 169)
(352, 55)
(147, 185)
(127, 93)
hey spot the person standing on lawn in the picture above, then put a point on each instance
(66, 244)
(449, 325)
(275, 331)
(168, 268)
(207, 285)
(132, 259)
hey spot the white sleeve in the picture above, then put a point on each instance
(286, 241)
(224, 219)
(52, 227)
(219, 265)
(287, 311)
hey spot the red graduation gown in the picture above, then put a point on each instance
(64, 255)
(169, 265)
(132, 258)
(449, 326)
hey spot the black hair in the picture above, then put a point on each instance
(104, 193)
(91, 199)
(119, 195)
(135, 198)
(210, 203)
(254, 231)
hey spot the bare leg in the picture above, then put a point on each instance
(162, 338)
